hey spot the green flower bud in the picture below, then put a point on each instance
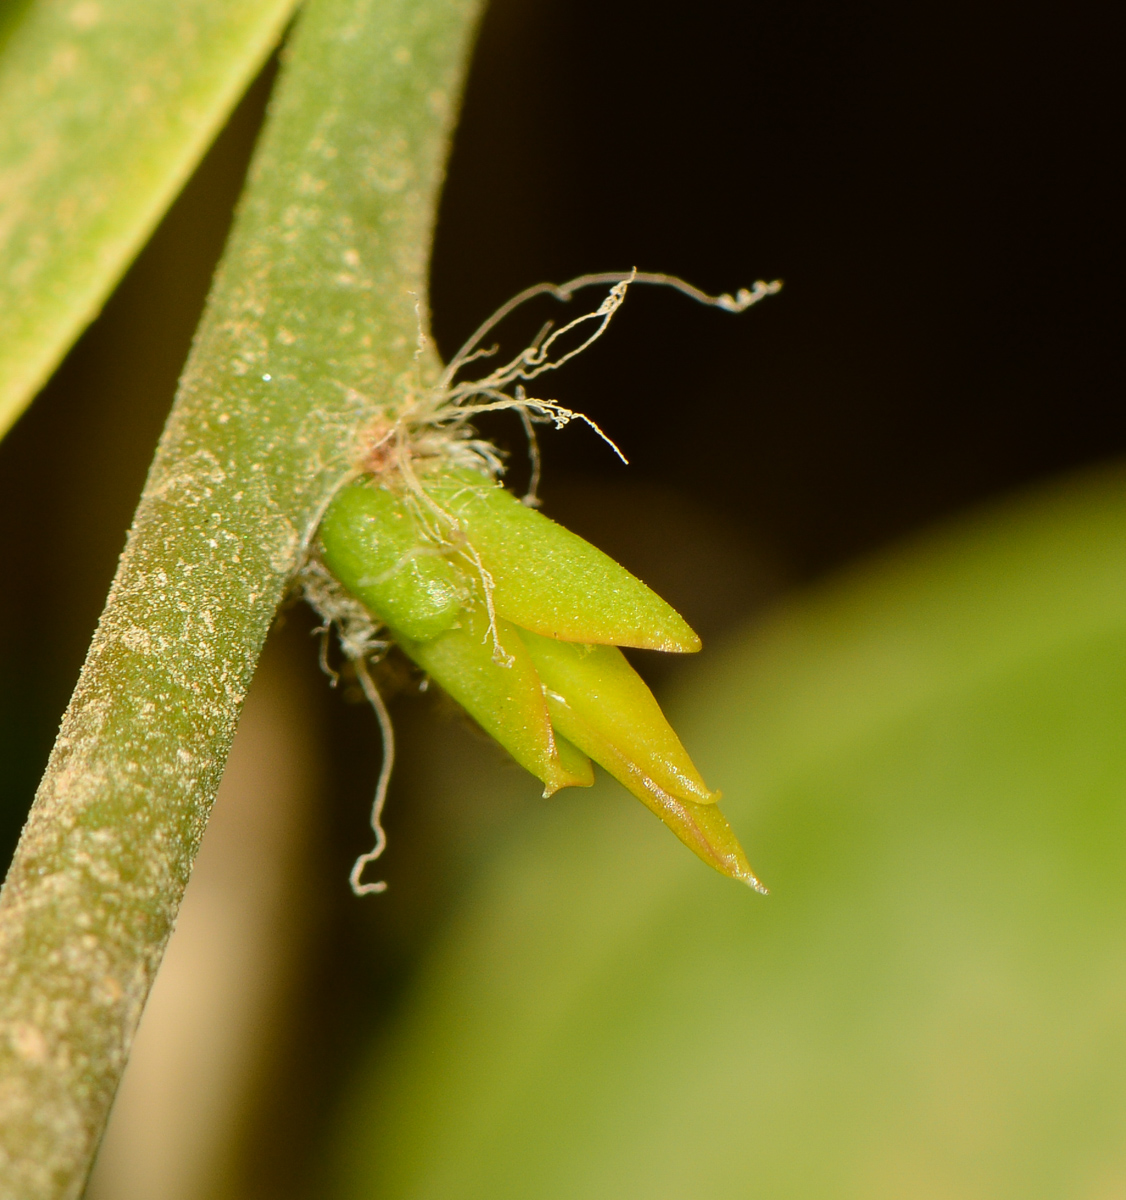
(519, 620)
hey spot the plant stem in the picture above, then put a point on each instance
(310, 331)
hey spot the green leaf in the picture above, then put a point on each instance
(929, 754)
(550, 580)
(106, 106)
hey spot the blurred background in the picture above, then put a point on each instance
(938, 186)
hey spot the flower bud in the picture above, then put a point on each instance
(519, 620)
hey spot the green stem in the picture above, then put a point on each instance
(310, 331)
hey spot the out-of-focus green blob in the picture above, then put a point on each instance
(598, 701)
(504, 697)
(550, 580)
(376, 546)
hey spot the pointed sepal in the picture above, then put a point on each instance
(497, 684)
(550, 580)
(601, 699)
(705, 830)
(599, 702)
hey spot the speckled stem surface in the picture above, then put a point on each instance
(310, 331)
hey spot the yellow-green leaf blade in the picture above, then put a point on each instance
(105, 109)
(550, 580)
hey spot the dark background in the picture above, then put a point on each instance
(938, 186)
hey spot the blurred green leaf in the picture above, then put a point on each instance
(10, 13)
(106, 106)
(928, 759)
